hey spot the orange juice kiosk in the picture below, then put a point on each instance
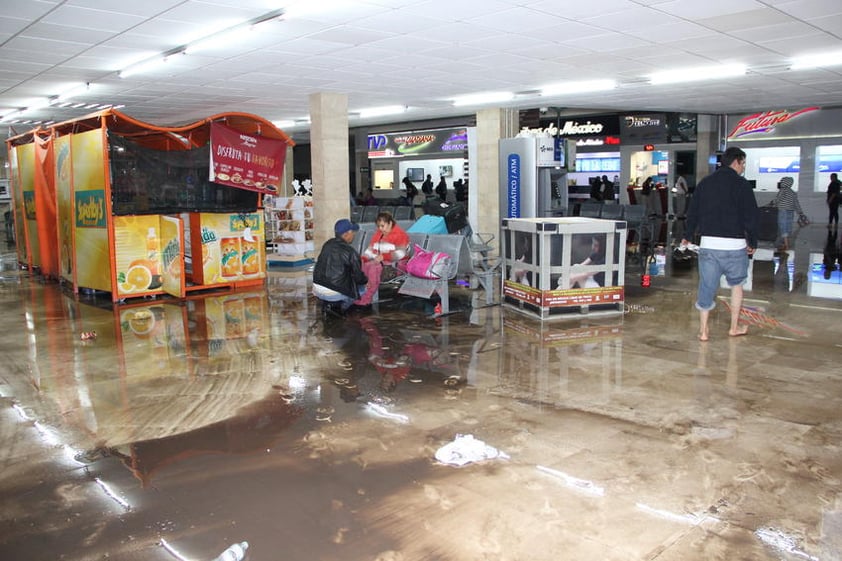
(109, 203)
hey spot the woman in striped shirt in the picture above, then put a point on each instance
(787, 203)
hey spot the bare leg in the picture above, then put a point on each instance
(736, 306)
(703, 325)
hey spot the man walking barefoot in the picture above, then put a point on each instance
(723, 211)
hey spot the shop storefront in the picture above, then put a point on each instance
(441, 154)
(112, 204)
(597, 140)
(658, 147)
(804, 143)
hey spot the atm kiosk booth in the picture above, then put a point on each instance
(109, 203)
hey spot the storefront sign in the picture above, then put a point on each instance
(643, 128)
(90, 209)
(580, 127)
(775, 123)
(422, 143)
(513, 186)
(246, 161)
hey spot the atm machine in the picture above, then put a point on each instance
(533, 176)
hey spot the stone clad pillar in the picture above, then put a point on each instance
(329, 163)
(492, 125)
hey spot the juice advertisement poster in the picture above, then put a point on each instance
(90, 207)
(137, 249)
(172, 256)
(232, 247)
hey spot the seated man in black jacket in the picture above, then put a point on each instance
(338, 278)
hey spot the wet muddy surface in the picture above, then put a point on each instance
(183, 428)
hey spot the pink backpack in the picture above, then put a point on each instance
(428, 264)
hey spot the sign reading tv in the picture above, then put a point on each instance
(421, 143)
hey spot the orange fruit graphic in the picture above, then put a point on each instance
(139, 277)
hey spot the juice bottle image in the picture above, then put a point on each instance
(251, 256)
(231, 264)
(153, 245)
(235, 318)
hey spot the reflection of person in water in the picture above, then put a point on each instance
(393, 365)
(583, 279)
(831, 254)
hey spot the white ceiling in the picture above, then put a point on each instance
(418, 53)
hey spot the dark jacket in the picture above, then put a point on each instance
(339, 268)
(723, 205)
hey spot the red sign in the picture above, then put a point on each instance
(246, 161)
(766, 122)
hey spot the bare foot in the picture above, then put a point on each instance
(703, 336)
(742, 329)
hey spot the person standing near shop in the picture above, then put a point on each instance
(411, 190)
(724, 212)
(607, 189)
(787, 204)
(427, 186)
(441, 189)
(833, 200)
(680, 191)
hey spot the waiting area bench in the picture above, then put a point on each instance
(470, 257)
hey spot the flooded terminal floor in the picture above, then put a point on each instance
(184, 428)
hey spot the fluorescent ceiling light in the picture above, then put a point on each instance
(73, 91)
(578, 87)
(145, 66)
(284, 124)
(221, 40)
(482, 98)
(382, 111)
(697, 74)
(816, 61)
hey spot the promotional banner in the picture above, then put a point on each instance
(93, 269)
(137, 244)
(172, 256)
(246, 161)
(394, 145)
(28, 243)
(64, 207)
(232, 248)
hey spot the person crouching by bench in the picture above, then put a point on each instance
(338, 278)
(389, 244)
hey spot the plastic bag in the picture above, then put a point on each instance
(803, 220)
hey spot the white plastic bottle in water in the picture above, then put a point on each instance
(236, 552)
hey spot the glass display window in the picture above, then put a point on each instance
(828, 160)
(766, 166)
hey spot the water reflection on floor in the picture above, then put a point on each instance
(186, 427)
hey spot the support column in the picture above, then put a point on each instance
(329, 163)
(484, 203)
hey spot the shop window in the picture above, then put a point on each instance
(828, 160)
(766, 166)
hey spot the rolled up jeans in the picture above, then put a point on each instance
(713, 263)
